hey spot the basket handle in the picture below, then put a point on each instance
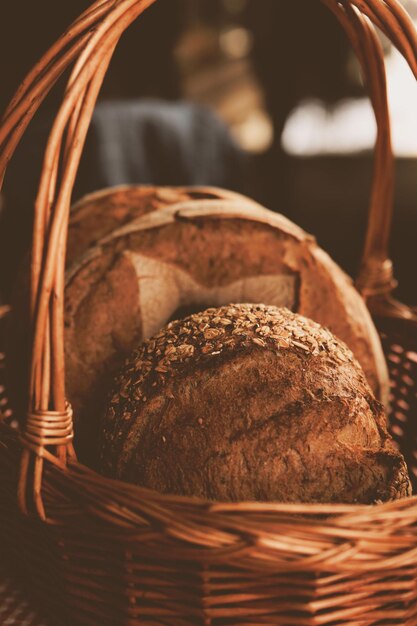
(376, 278)
(369, 51)
(91, 41)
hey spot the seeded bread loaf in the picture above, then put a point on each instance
(210, 249)
(185, 258)
(250, 402)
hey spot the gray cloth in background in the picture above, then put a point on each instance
(129, 142)
(164, 143)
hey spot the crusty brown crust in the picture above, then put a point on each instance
(229, 249)
(215, 244)
(213, 256)
(92, 218)
(100, 213)
(326, 293)
(250, 402)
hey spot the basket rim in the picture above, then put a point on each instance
(83, 506)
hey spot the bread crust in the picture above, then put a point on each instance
(249, 402)
(98, 214)
(93, 217)
(150, 254)
(215, 248)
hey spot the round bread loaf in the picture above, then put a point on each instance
(249, 402)
(178, 251)
(185, 258)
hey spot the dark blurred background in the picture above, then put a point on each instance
(262, 96)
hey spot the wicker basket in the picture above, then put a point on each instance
(100, 552)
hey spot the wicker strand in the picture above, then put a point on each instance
(370, 54)
(79, 131)
(43, 429)
(376, 277)
(47, 429)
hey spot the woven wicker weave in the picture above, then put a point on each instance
(95, 551)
